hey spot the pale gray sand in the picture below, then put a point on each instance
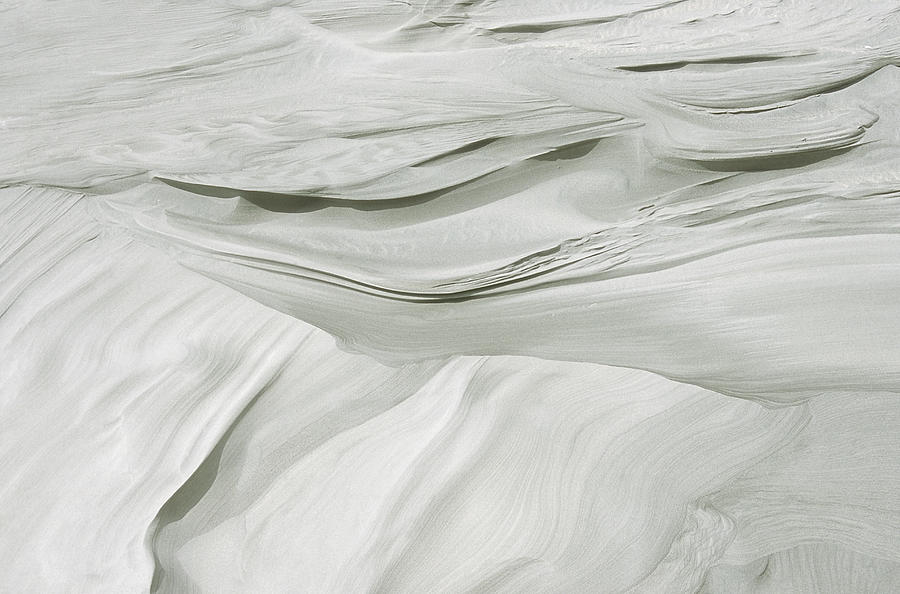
(435, 296)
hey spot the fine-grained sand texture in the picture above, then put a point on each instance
(371, 296)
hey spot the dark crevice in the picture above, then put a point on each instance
(467, 148)
(774, 162)
(666, 66)
(294, 203)
(550, 26)
(568, 152)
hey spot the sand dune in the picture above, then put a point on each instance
(492, 296)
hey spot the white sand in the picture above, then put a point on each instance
(434, 296)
